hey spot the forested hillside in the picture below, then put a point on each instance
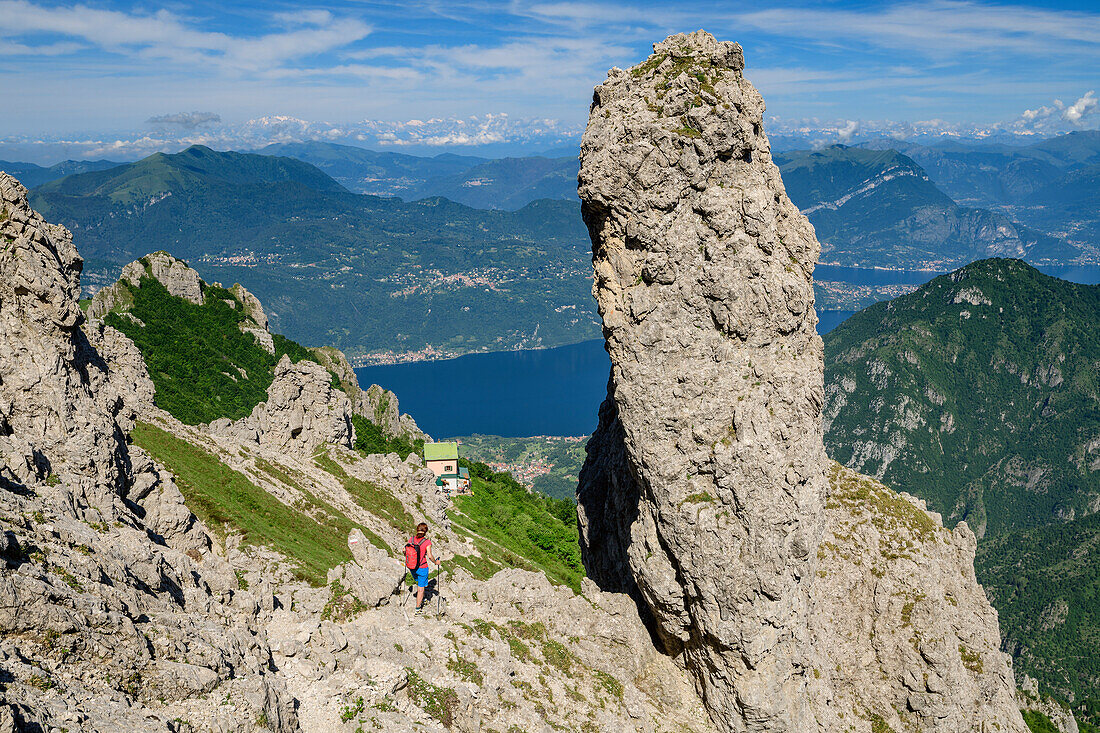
(363, 273)
(980, 393)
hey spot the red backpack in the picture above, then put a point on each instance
(413, 554)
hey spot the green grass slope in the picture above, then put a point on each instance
(225, 500)
(513, 527)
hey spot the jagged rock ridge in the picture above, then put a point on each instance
(704, 491)
(375, 404)
(107, 578)
(129, 615)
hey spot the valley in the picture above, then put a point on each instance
(509, 273)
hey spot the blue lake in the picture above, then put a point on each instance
(511, 393)
(558, 391)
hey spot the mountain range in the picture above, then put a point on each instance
(32, 175)
(979, 393)
(880, 209)
(1052, 185)
(481, 183)
(363, 272)
(323, 257)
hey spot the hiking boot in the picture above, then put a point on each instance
(419, 611)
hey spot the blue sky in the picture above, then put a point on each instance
(124, 72)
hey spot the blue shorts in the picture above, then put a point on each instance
(421, 575)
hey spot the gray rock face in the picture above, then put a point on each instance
(256, 324)
(183, 282)
(58, 408)
(302, 411)
(180, 280)
(376, 404)
(704, 489)
(107, 577)
(129, 374)
(706, 476)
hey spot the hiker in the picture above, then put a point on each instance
(418, 551)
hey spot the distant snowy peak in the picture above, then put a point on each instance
(497, 133)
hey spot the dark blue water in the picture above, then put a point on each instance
(867, 276)
(510, 393)
(1084, 274)
(558, 391)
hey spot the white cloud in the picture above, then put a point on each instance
(164, 35)
(937, 28)
(176, 132)
(1057, 117)
(1079, 109)
(846, 133)
(45, 49)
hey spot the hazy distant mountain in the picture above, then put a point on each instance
(162, 174)
(878, 208)
(31, 175)
(504, 183)
(1051, 185)
(991, 174)
(360, 272)
(507, 183)
(370, 171)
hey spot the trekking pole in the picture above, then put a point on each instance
(439, 591)
(409, 594)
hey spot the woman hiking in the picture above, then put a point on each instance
(418, 551)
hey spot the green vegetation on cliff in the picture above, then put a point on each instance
(1045, 583)
(980, 393)
(520, 529)
(202, 365)
(548, 464)
(369, 438)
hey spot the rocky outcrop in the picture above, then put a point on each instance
(376, 404)
(302, 411)
(179, 279)
(256, 320)
(704, 490)
(183, 282)
(1030, 699)
(108, 581)
(129, 375)
(58, 408)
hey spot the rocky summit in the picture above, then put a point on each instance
(800, 596)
